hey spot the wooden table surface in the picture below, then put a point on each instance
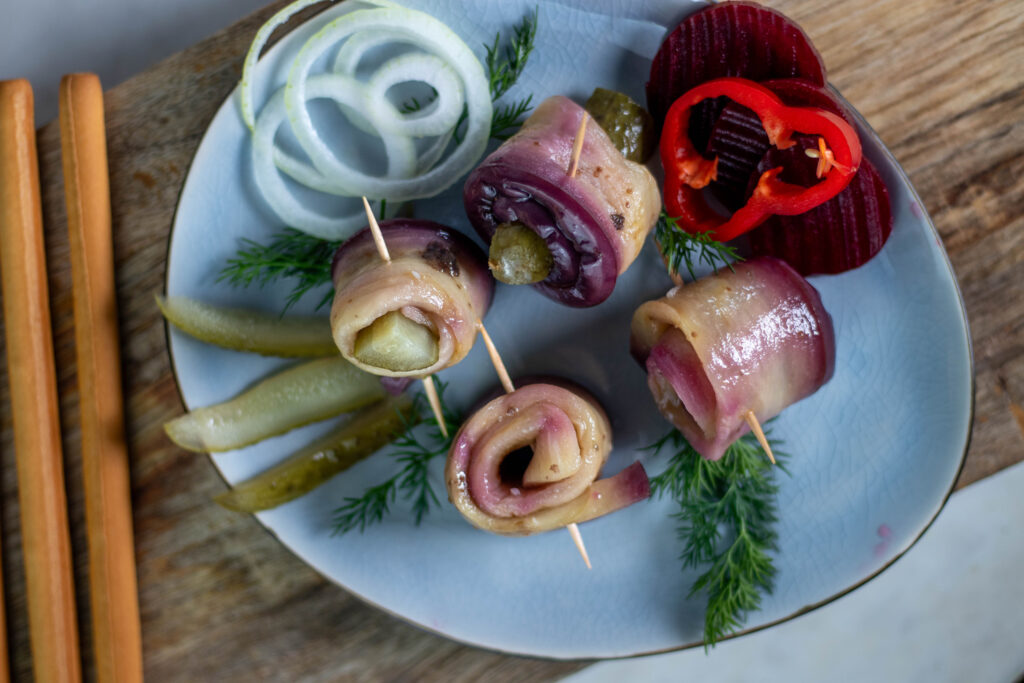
(940, 80)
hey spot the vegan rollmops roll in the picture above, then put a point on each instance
(569, 236)
(528, 461)
(417, 314)
(754, 338)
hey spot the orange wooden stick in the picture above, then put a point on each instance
(116, 633)
(755, 426)
(46, 545)
(577, 145)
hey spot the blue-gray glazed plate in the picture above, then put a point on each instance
(875, 453)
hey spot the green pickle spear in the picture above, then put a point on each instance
(367, 431)
(245, 330)
(304, 393)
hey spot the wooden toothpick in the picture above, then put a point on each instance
(435, 403)
(378, 238)
(755, 426)
(499, 365)
(428, 382)
(506, 383)
(577, 146)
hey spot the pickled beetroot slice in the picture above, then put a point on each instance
(729, 39)
(841, 234)
(738, 139)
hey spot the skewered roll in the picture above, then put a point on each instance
(755, 338)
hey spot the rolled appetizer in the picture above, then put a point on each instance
(754, 338)
(571, 237)
(528, 462)
(417, 314)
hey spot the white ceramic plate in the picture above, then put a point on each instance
(875, 452)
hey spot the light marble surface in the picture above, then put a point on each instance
(950, 610)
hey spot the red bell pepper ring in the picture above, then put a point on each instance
(687, 171)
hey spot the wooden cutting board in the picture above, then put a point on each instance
(222, 600)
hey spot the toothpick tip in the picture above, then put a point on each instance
(755, 427)
(574, 531)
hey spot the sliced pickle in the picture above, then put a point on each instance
(395, 343)
(245, 330)
(518, 255)
(629, 125)
(366, 432)
(308, 392)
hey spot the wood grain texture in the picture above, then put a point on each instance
(221, 599)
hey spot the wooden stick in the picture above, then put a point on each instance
(116, 630)
(506, 383)
(378, 238)
(428, 382)
(5, 669)
(755, 426)
(435, 403)
(46, 544)
(499, 365)
(577, 145)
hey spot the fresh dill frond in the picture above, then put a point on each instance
(413, 104)
(503, 74)
(419, 444)
(503, 71)
(508, 118)
(289, 254)
(680, 248)
(727, 510)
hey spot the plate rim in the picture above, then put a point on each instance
(925, 217)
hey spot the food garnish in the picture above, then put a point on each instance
(528, 462)
(592, 224)
(301, 394)
(687, 171)
(740, 39)
(354, 439)
(414, 450)
(727, 510)
(681, 248)
(838, 235)
(292, 255)
(248, 330)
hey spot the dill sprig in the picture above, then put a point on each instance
(508, 118)
(414, 450)
(680, 248)
(290, 254)
(503, 74)
(726, 521)
(503, 71)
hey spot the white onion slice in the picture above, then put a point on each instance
(432, 36)
(442, 61)
(267, 159)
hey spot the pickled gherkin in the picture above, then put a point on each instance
(246, 330)
(366, 432)
(304, 393)
(629, 125)
(518, 255)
